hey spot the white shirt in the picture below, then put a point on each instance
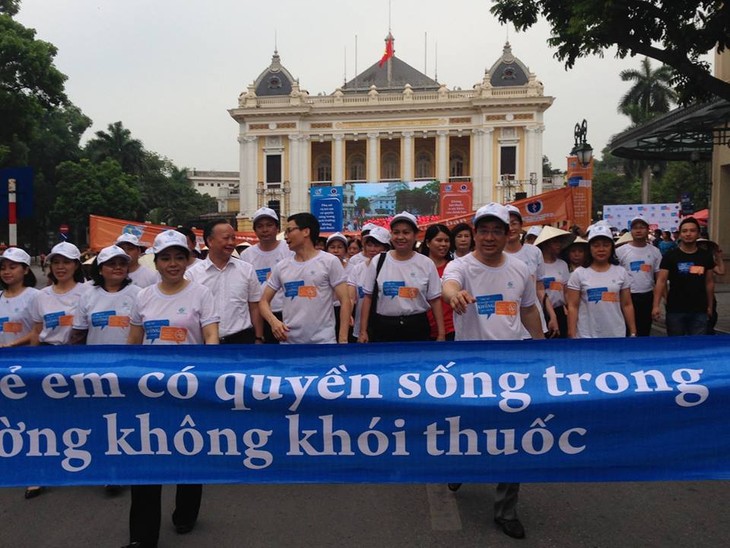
(355, 279)
(174, 319)
(556, 275)
(404, 287)
(532, 256)
(500, 292)
(233, 287)
(642, 263)
(263, 262)
(599, 311)
(143, 276)
(308, 288)
(15, 320)
(357, 258)
(106, 315)
(56, 312)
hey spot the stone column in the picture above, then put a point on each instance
(338, 160)
(442, 155)
(248, 178)
(294, 175)
(407, 154)
(487, 166)
(477, 176)
(372, 159)
(300, 192)
(539, 130)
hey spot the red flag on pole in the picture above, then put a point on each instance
(388, 50)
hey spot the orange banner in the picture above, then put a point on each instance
(548, 208)
(104, 231)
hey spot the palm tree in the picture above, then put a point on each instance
(651, 94)
(118, 145)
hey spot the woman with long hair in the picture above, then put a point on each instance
(18, 293)
(156, 320)
(438, 245)
(407, 287)
(598, 296)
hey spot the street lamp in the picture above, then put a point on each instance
(582, 149)
(533, 182)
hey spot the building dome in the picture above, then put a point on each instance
(275, 80)
(508, 71)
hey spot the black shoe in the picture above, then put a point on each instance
(511, 527)
(184, 528)
(453, 486)
(33, 492)
(112, 490)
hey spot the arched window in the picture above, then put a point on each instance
(324, 168)
(356, 168)
(456, 164)
(424, 166)
(390, 168)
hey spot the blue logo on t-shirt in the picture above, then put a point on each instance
(390, 289)
(486, 304)
(53, 319)
(2, 323)
(291, 289)
(101, 319)
(263, 274)
(685, 268)
(595, 294)
(635, 266)
(152, 328)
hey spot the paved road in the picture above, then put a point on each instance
(555, 515)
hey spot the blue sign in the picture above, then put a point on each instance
(523, 411)
(326, 205)
(23, 191)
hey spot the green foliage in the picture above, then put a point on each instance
(85, 188)
(675, 32)
(650, 95)
(419, 201)
(683, 177)
(117, 144)
(363, 204)
(9, 7)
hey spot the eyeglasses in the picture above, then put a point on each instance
(292, 229)
(490, 232)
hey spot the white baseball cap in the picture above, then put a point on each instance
(492, 209)
(380, 234)
(405, 216)
(16, 255)
(514, 210)
(534, 230)
(169, 238)
(600, 231)
(368, 226)
(638, 219)
(265, 212)
(110, 252)
(128, 238)
(337, 236)
(65, 249)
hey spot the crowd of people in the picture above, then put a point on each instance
(489, 280)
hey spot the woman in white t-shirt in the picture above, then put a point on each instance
(18, 293)
(551, 242)
(105, 309)
(337, 246)
(599, 296)
(408, 286)
(173, 311)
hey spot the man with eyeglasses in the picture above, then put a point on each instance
(311, 279)
(493, 296)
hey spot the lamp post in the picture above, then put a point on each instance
(581, 149)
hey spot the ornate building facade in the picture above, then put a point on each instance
(390, 124)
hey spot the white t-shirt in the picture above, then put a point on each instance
(348, 268)
(233, 288)
(555, 277)
(144, 277)
(56, 312)
(357, 258)
(355, 279)
(106, 315)
(599, 312)
(532, 256)
(308, 288)
(404, 287)
(500, 292)
(263, 262)
(174, 319)
(642, 263)
(15, 320)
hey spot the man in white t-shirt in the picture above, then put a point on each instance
(140, 275)
(235, 289)
(264, 256)
(641, 260)
(310, 280)
(493, 296)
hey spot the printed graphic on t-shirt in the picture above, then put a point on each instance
(173, 334)
(408, 292)
(58, 319)
(298, 289)
(598, 294)
(109, 318)
(495, 304)
(152, 328)
(262, 274)
(6, 326)
(639, 266)
(392, 289)
(552, 284)
(690, 268)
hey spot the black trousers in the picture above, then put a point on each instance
(643, 303)
(401, 328)
(145, 512)
(247, 336)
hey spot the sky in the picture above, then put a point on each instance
(171, 69)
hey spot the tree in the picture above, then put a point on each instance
(683, 177)
(674, 32)
(118, 145)
(363, 204)
(650, 95)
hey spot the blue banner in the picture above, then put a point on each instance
(326, 205)
(530, 411)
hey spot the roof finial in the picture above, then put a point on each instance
(276, 45)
